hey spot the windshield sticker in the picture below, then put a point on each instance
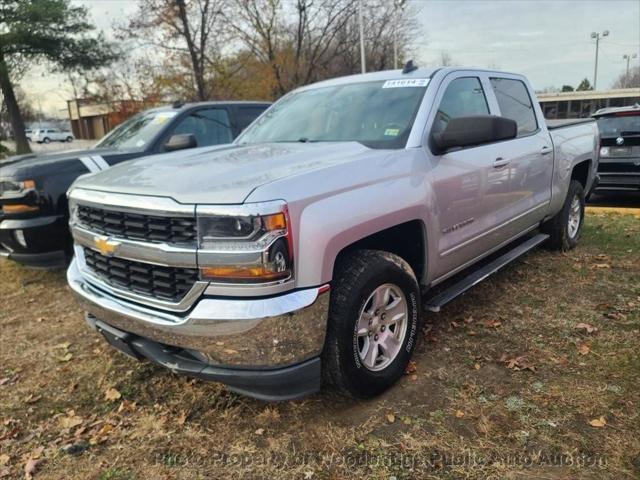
(408, 82)
(391, 132)
(162, 118)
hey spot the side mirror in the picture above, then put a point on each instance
(181, 141)
(475, 130)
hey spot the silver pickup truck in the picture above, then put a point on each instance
(306, 251)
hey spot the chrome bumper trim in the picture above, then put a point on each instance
(156, 253)
(266, 332)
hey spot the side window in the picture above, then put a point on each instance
(210, 126)
(463, 97)
(515, 103)
(246, 115)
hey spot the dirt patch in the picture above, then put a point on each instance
(505, 386)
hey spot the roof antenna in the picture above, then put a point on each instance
(409, 67)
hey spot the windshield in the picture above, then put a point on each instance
(376, 114)
(137, 132)
(616, 125)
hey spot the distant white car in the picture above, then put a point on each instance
(46, 135)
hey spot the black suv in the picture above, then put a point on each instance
(34, 219)
(619, 167)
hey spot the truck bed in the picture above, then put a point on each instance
(566, 122)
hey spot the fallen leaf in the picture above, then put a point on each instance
(182, 418)
(601, 265)
(259, 431)
(66, 357)
(230, 351)
(411, 368)
(64, 345)
(413, 378)
(112, 395)
(32, 398)
(598, 422)
(127, 406)
(477, 366)
(519, 363)
(72, 420)
(391, 417)
(459, 414)
(583, 349)
(491, 323)
(587, 327)
(4, 459)
(31, 467)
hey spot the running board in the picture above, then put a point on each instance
(434, 303)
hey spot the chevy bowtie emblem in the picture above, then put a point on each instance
(105, 245)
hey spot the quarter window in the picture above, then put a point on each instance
(515, 103)
(463, 97)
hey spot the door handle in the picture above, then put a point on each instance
(500, 162)
(546, 150)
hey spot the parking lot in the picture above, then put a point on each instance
(542, 358)
(53, 146)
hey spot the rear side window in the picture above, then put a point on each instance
(515, 103)
(463, 97)
(246, 115)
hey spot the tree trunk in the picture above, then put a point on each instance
(15, 117)
(198, 71)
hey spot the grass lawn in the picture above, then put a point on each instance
(533, 374)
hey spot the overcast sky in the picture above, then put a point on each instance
(549, 41)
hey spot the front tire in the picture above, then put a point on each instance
(46, 140)
(374, 321)
(565, 228)
(69, 139)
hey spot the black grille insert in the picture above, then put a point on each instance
(164, 283)
(148, 228)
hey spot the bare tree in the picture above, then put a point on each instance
(315, 39)
(630, 79)
(191, 29)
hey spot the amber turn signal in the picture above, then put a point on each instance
(274, 222)
(239, 273)
(19, 208)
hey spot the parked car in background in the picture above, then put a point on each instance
(47, 135)
(28, 133)
(303, 250)
(34, 219)
(619, 167)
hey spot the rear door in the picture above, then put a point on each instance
(528, 159)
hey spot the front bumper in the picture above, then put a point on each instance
(266, 335)
(47, 241)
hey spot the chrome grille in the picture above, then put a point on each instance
(134, 226)
(166, 283)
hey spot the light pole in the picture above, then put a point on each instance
(363, 61)
(398, 4)
(597, 36)
(628, 57)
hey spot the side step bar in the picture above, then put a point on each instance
(434, 303)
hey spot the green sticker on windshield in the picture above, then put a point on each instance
(391, 132)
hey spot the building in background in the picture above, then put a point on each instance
(91, 120)
(582, 104)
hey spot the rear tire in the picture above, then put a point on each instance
(565, 228)
(374, 321)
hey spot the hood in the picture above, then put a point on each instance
(223, 175)
(23, 166)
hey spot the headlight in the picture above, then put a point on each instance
(250, 243)
(11, 188)
(604, 151)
